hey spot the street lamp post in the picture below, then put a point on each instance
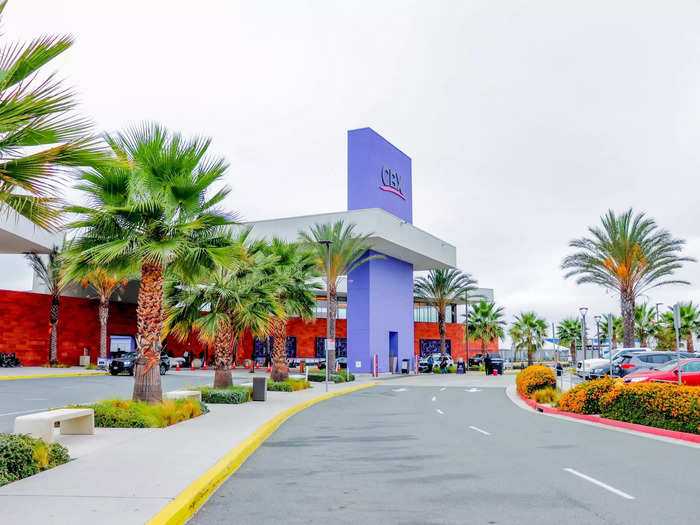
(584, 311)
(327, 243)
(657, 312)
(677, 327)
(597, 329)
(466, 324)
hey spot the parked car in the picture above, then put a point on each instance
(599, 363)
(690, 373)
(124, 364)
(496, 364)
(476, 360)
(174, 361)
(628, 363)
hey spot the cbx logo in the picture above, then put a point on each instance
(391, 181)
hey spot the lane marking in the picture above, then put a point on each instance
(443, 388)
(599, 483)
(472, 390)
(399, 389)
(23, 412)
(482, 431)
(434, 398)
(440, 411)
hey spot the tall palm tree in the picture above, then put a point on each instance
(49, 270)
(617, 329)
(629, 255)
(644, 318)
(40, 138)
(528, 332)
(690, 323)
(154, 211)
(568, 332)
(348, 250)
(486, 323)
(103, 282)
(293, 269)
(440, 288)
(221, 306)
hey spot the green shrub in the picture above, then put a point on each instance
(232, 395)
(55, 365)
(585, 398)
(91, 366)
(452, 369)
(320, 377)
(22, 456)
(344, 375)
(533, 378)
(122, 413)
(288, 385)
(546, 395)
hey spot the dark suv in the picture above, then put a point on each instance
(496, 364)
(125, 364)
(636, 362)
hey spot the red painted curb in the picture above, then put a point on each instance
(644, 429)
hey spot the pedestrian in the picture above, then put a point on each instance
(186, 356)
(443, 364)
(430, 363)
(488, 365)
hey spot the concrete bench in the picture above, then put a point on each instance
(184, 394)
(71, 420)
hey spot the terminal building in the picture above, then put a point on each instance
(377, 315)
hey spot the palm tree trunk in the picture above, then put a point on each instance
(222, 358)
(149, 325)
(279, 353)
(332, 311)
(529, 356)
(443, 331)
(53, 344)
(627, 307)
(689, 344)
(573, 351)
(103, 315)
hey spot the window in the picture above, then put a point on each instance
(660, 359)
(341, 347)
(692, 367)
(432, 346)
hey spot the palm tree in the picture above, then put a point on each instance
(568, 332)
(293, 269)
(628, 255)
(49, 270)
(441, 288)
(690, 323)
(644, 318)
(36, 114)
(348, 250)
(528, 332)
(154, 211)
(486, 323)
(617, 329)
(221, 306)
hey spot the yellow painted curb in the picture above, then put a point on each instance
(189, 500)
(77, 374)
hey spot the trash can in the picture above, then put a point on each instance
(260, 388)
(393, 364)
(404, 366)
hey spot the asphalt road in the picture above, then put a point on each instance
(23, 396)
(393, 454)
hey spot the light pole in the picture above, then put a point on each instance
(677, 326)
(327, 243)
(657, 312)
(610, 344)
(597, 329)
(466, 324)
(584, 311)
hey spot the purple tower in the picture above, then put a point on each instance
(380, 292)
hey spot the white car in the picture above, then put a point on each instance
(592, 364)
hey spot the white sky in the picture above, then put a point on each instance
(525, 120)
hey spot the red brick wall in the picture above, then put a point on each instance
(25, 327)
(455, 333)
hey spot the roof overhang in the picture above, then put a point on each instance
(19, 235)
(389, 235)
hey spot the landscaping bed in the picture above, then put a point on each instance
(319, 376)
(288, 385)
(123, 413)
(661, 405)
(232, 395)
(22, 456)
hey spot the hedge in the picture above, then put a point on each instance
(337, 377)
(534, 378)
(22, 456)
(288, 385)
(123, 413)
(585, 397)
(232, 395)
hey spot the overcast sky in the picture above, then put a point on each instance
(525, 120)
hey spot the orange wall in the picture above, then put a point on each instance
(455, 333)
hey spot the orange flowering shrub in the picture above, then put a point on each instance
(534, 378)
(584, 398)
(662, 405)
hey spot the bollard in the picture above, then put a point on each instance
(301, 367)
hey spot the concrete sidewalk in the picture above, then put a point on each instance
(28, 372)
(126, 476)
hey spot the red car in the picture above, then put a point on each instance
(690, 375)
